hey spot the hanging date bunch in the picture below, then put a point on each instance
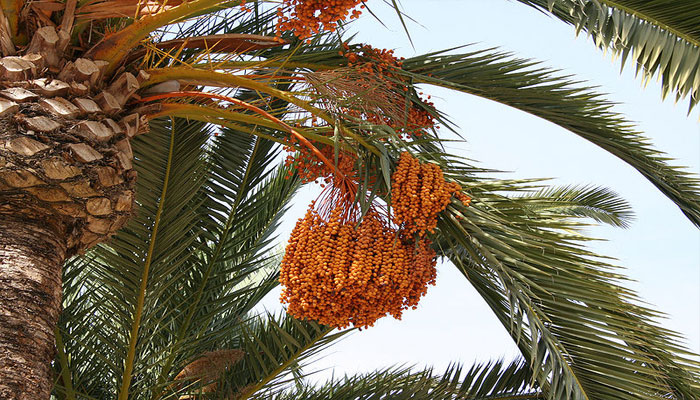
(419, 192)
(308, 17)
(341, 273)
(342, 269)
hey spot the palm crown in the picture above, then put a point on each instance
(173, 290)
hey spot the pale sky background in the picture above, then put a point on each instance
(661, 250)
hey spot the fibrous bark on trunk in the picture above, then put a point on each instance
(31, 255)
(66, 184)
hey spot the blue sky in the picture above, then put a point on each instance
(661, 250)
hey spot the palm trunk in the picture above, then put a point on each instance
(66, 184)
(31, 255)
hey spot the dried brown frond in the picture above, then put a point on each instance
(211, 364)
(347, 88)
(209, 367)
(122, 8)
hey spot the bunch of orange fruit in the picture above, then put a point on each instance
(311, 169)
(341, 273)
(341, 270)
(419, 192)
(309, 17)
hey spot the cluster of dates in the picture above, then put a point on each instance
(341, 270)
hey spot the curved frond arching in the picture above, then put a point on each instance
(529, 87)
(661, 36)
(212, 261)
(600, 204)
(489, 381)
(584, 335)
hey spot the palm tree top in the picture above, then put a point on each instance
(177, 285)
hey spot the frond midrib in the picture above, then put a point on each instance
(129, 364)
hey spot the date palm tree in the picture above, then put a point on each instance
(108, 108)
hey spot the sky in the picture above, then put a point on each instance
(660, 251)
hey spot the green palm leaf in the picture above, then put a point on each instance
(527, 86)
(274, 347)
(599, 204)
(119, 278)
(493, 381)
(532, 88)
(193, 263)
(584, 335)
(662, 36)
(245, 201)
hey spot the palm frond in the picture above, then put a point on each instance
(529, 87)
(121, 281)
(662, 36)
(600, 204)
(274, 346)
(493, 380)
(227, 21)
(193, 275)
(245, 200)
(584, 335)
(115, 47)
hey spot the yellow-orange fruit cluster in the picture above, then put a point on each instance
(340, 273)
(419, 193)
(309, 17)
(310, 168)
